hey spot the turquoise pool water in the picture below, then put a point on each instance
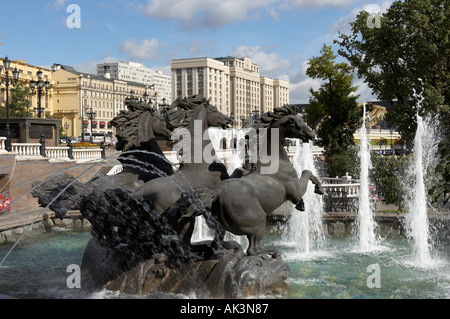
(37, 268)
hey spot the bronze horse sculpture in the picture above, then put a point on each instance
(185, 114)
(242, 204)
(141, 158)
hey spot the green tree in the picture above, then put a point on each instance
(441, 189)
(334, 104)
(344, 162)
(18, 103)
(406, 55)
(385, 174)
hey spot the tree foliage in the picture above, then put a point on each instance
(385, 174)
(18, 102)
(408, 54)
(345, 162)
(333, 107)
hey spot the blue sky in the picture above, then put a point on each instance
(278, 35)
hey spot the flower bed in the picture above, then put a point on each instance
(84, 145)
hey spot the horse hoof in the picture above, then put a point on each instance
(319, 190)
(300, 206)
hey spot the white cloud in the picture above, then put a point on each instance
(270, 64)
(308, 4)
(299, 92)
(146, 50)
(342, 24)
(90, 67)
(208, 13)
(59, 3)
(165, 69)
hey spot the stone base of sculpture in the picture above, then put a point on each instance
(230, 274)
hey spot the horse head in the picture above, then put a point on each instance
(159, 126)
(292, 123)
(183, 112)
(216, 118)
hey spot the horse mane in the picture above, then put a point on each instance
(127, 124)
(180, 113)
(267, 119)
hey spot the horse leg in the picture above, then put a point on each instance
(318, 189)
(255, 248)
(307, 176)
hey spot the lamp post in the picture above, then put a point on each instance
(233, 145)
(163, 108)
(91, 114)
(39, 84)
(145, 97)
(13, 82)
(66, 127)
(82, 125)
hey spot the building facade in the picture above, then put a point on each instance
(27, 73)
(136, 72)
(77, 94)
(233, 85)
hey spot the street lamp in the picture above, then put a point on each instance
(91, 114)
(145, 97)
(7, 80)
(39, 84)
(66, 127)
(233, 144)
(163, 108)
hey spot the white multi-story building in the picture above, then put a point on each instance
(136, 72)
(233, 85)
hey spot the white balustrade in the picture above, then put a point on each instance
(87, 154)
(57, 152)
(2, 144)
(347, 190)
(26, 149)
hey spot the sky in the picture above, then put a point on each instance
(278, 35)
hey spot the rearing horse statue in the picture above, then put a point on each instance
(137, 128)
(242, 205)
(193, 116)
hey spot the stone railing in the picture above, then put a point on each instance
(341, 193)
(2, 144)
(26, 149)
(57, 152)
(87, 154)
(39, 150)
(340, 180)
(342, 190)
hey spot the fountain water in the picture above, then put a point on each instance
(304, 232)
(417, 218)
(366, 223)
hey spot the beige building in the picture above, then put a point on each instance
(233, 85)
(137, 72)
(77, 94)
(27, 73)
